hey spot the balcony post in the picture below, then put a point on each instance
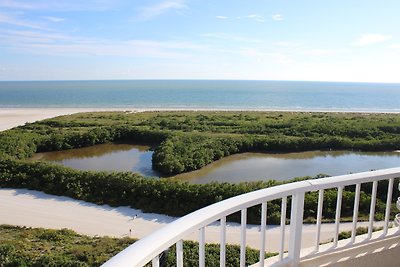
(296, 225)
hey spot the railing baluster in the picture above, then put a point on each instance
(372, 209)
(202, 254)
(283, 227)
(222, 247)
(296, 226)
(243, 238)
(155, 262)
(388, 206)
(319, 218)
(179, 253)
(337, 217)
(262, 232)
(355, 213)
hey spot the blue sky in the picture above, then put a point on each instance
(356, 40)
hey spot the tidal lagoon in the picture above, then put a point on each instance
(234, 169)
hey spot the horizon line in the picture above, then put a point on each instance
(200, 80)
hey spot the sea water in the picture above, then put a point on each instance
(203, 94)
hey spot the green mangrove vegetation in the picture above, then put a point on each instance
(185, 141)
(37, 247)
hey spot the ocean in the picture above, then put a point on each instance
(203, 94)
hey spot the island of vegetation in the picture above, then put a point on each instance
(185, 141)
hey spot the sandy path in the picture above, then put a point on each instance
(36, 209)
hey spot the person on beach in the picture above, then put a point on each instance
(130, 229)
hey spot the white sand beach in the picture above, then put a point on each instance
(36, 209)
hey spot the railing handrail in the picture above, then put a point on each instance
(144, 250)
(355, 178)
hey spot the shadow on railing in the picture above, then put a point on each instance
(149, 248)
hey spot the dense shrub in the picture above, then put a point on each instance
(28, 247)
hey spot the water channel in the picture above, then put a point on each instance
(235, 168)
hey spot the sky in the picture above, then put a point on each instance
(340, 40)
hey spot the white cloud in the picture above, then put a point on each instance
(287, 44)
(54, 19)
(53, 43)
(370, 38)
(222, 17)
(166, 45)
(255, 17)
(262, 56)
(13, 20)
(320, 52)
(282, 58)
(231, 37)
(16, 4)
(160, 8)
(70, 5)
(277, 17)
(29, 36)
(103, 48)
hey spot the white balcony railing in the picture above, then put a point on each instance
(149, 248)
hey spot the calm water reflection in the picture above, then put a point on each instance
(236, 168)
(260, 166)
(105, 157)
